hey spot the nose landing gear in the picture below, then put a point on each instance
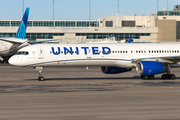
(39, 69)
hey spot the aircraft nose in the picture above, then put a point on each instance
(12, 60)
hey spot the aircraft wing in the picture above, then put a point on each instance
(43, 41)
(14, 40)
(165, 59)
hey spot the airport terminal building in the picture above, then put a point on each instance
(163, 27)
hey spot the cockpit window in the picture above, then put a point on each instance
(22, 53)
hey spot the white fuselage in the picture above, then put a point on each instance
(106, 54)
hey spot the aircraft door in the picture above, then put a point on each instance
(89, 53)
(40, 53)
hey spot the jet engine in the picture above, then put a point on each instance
(114, 70)
(151, 67)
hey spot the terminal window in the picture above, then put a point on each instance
(109, 23)
(128, 23)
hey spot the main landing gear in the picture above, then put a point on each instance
(39, 69)
(164, 76)
(168, 76)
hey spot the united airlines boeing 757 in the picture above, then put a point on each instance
(149, 59)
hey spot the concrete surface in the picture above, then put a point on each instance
(75, 93)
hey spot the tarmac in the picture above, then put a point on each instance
(75, 93)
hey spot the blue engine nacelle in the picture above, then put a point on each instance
(151, 67)
(114, 70)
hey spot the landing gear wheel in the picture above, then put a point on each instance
(168, 76)
(142, 76)
(147, 76)
(41, 78)
(151, 77)
(173, 76)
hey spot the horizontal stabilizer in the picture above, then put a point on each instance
(14, 40)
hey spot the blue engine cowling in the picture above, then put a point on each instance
(151, 67)
(114, 70)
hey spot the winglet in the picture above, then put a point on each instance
(129, 41)
(21, 33)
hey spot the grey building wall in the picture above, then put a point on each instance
(178, 30)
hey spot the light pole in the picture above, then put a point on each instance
(157, 5)
(118, 7)
(53, 9)
(23, 7)
(167, 8)
(89, 12)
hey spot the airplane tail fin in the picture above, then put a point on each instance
(21, 33)
(129, 41)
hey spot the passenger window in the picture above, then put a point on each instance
(22, 53)
(27, 53)
(154, 51)
(18, 53)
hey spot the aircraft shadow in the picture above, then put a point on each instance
(102, 78)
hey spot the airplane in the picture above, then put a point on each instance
(9, 46)
(149, 59)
